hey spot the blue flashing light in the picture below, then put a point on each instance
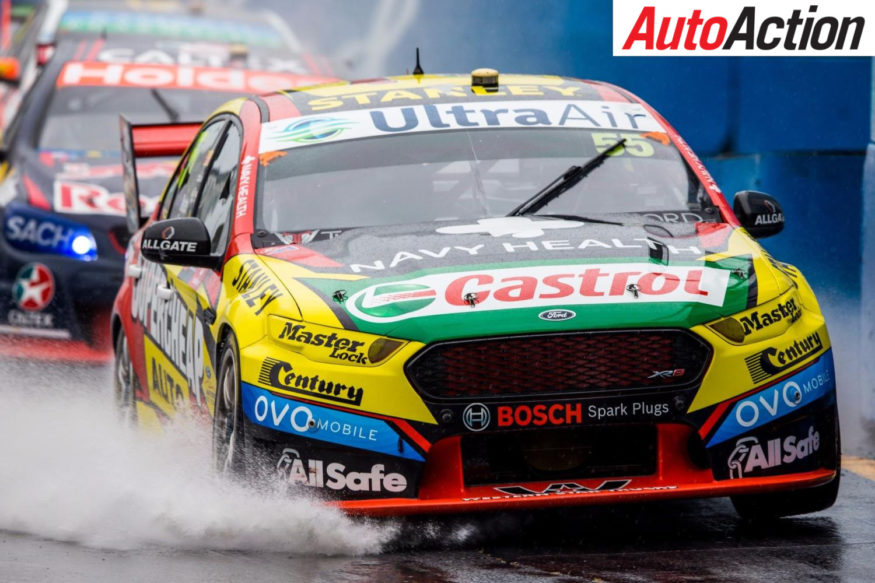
(83, 244)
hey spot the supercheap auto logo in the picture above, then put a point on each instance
(741, 28)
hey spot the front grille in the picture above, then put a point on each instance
(559, 454)
(558, 364)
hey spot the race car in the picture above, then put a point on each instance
(61, 203)
(22, 26)
(30, 30)
(440, 293)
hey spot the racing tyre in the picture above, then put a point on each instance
(233, 455)
(124, 381)
(763, 507)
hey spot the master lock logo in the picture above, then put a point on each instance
(739, 28)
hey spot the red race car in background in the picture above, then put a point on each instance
(61, 202)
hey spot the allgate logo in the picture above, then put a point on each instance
(540, 286)
(736, 28)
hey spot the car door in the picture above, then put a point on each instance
(179, 364)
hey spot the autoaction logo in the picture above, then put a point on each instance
(538, 287)
(779, 400)
(34, 287)
(750, 457)
(739, 28)
(323, 424)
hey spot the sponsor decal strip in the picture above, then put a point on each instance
(286, 134)
(538, 286)
(84, 74)
(566, 489)
(778, 400)
(316, 473)
(751, 457)
(323, 424)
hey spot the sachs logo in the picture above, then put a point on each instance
(391, 301)
(313, 130)
(539, 287)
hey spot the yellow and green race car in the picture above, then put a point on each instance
(449, 293)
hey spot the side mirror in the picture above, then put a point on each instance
(759, 213)
(184, 241)
(10, 70)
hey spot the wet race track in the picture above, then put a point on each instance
(83, 499)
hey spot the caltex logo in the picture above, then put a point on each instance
(34, 287)
(394, 299)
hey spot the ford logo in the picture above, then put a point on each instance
(556, 315)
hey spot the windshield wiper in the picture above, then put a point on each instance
(581, 219)
(165, 105)
(562, 183)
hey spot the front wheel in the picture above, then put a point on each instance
(235, 455)
(124, 382)
(228, 417)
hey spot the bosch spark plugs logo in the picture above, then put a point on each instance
(740, 28)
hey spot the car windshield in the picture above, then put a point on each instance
(86, 118)
(466, 174)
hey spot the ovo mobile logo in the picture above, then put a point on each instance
(740, 28)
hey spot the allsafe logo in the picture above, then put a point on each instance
(645, 28)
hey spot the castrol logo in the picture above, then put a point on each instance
(534, 287)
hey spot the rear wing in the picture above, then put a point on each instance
(148, 141)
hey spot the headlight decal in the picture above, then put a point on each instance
(778, 400)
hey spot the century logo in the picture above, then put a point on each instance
(476, 417)
(538, 287)
(281, 375)
(773, 360)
